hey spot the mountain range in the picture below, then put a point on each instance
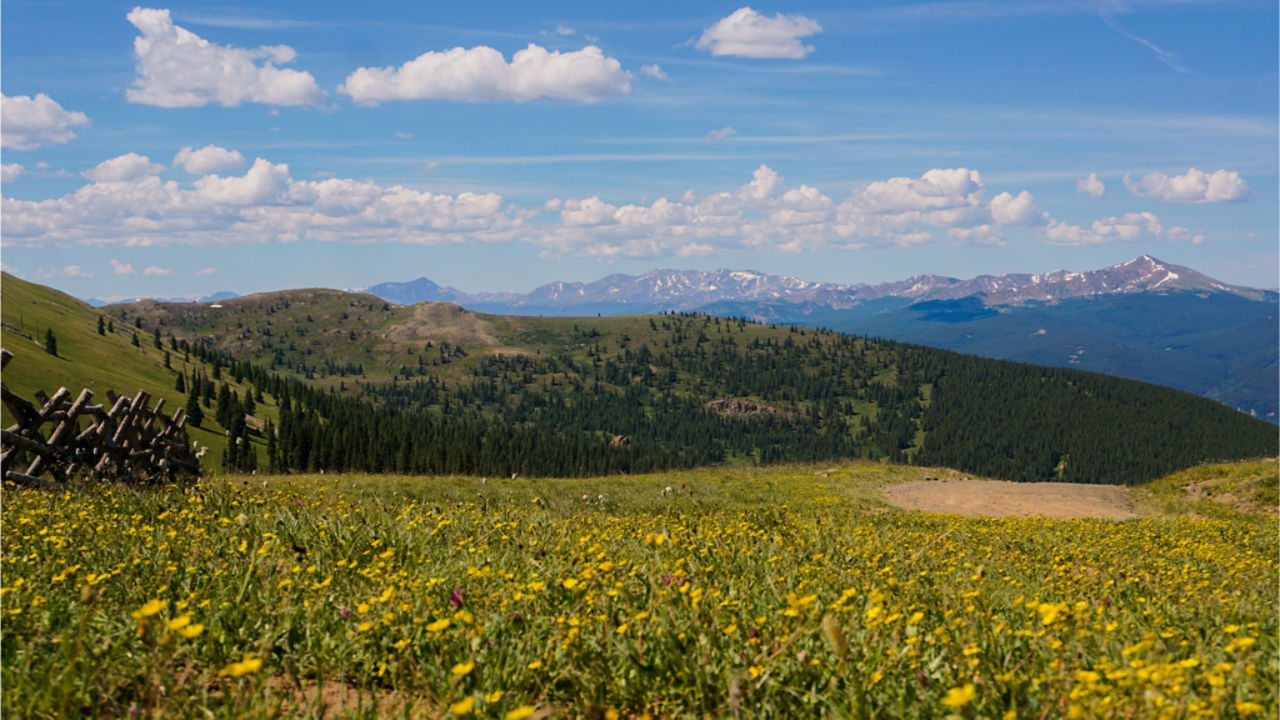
(664, 290)
(1143, 319)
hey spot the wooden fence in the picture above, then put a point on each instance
(126, 441)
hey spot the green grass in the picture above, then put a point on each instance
(1217, 490)
(780, 592)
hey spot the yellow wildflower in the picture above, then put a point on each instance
(150, 608)
(244, 667)
(959, 697)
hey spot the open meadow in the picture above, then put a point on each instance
(755, 592)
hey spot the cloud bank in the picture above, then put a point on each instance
(1193, 186)
(127, 203)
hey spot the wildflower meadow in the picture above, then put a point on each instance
(785, 592)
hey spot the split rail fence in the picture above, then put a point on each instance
(126, 440)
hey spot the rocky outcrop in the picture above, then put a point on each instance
(734, 406)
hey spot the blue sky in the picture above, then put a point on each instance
(185, 148)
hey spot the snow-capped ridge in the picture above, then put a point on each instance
(666, 289)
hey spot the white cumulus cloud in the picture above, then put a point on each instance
(1017, 210)
(591, 211)
(10, 171)
(1193, 186)
(207, 159)
(1092, 186)
(33, 122)
(123, 167)
(156, 271)
(747, 33)
(177, 68)
(121, 269)
(204, 271)
(934, 190)
(763, 182)
(482, 74)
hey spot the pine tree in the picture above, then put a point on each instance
(102, 326)
(155, 339)
(194, 412)
(273, 452)
(226, 412)
(50, 342)
(135, 342)
(180, 385)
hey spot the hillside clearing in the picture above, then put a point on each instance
(1000, 498)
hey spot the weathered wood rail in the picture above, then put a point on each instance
(126, 440)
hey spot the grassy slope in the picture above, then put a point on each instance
(98, 362)
(1217, 490)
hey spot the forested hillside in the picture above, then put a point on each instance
(1215, 344)
(362, 385)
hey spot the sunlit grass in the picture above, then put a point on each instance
(761, 592)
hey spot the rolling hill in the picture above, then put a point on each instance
(433, 387)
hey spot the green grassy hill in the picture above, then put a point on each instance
(1219, 490)
(435, 388)
(100, 362)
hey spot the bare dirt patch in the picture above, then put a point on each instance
(447, 322)
(998, 498)
(333, 698)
